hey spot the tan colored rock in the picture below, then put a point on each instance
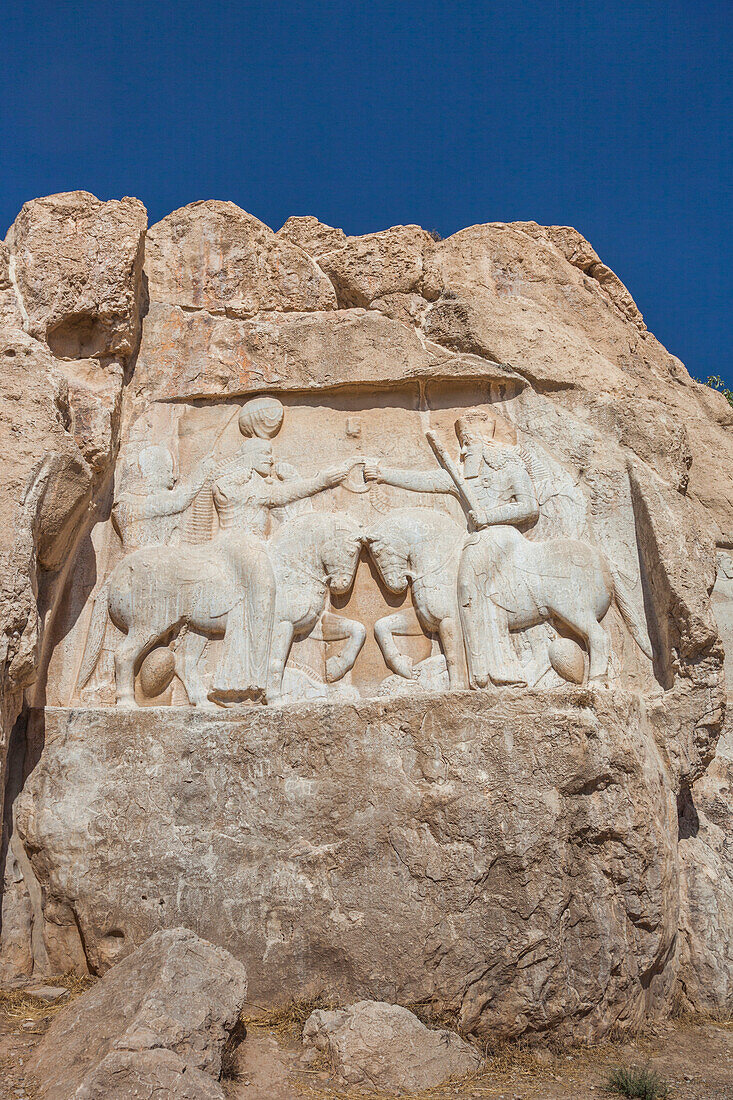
(378, 264)
(706, 887)
(176, 993)
(507, 354)
(418, 884)
(44, 492)
(215, 256)
(312, 236)
(190, 355)
(376, 1045)
(145, 1075)
(77, 268)
(580, 253)
(70, 287)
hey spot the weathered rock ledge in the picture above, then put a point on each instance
(511, 854)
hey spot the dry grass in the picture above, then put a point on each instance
(288, 1020)
(19, 1005)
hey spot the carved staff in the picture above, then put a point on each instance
(464, 489)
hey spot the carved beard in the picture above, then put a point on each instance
(496, 458)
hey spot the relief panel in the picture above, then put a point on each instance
(343, 546)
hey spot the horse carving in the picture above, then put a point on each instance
(565, 581)
(156, 591)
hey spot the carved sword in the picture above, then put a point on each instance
(464, 489)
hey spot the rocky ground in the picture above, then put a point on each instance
(693, 1055)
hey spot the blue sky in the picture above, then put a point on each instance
(614, 118)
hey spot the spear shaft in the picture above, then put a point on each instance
(464, 489)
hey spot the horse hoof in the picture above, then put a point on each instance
(404, 668)
(334, 670)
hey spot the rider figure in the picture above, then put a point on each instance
(499, 484)
(145, 514)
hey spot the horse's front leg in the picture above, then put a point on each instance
(282, 640)
(384, 631)
(337, 629)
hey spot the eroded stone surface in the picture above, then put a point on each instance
(176, 993)
(511, 854)
(384, 1046)
(146, 1075)
(77, 265)
(425, 559)
(215, 256)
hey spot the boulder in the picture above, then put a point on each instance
(312, 236)
(378, 264)
(146, 1074)
(215, 256)
(384, 1046)
(77, 266)
(176, 994)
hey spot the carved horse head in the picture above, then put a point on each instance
(340, 553)
(391, 555)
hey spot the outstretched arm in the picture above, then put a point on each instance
(166, 502)
(298, 488)
(418, 481)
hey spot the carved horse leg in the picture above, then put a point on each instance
(136, 645)
(583, 622)
(451, 639)
(282, 640)
(337, 629)
(187, 659)
(384, 631)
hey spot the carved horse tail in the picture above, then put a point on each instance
(95, 636)
(628, 611)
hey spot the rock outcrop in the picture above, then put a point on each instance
(160, 1018)
(71, 298)
(385, 1047)
(405, 849)
(237, 484)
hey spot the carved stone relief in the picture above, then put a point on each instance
(416, 540)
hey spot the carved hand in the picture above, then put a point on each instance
(371, 470)
(478, 519)
(336, 474)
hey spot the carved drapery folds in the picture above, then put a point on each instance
(264, 553)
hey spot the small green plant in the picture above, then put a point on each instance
(637, 1082)
(717, 383)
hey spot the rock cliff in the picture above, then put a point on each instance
(364, 606)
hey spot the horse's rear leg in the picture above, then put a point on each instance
(189, 655)
(451, 639)
(599, 648)
(597, 641)
(129, 652)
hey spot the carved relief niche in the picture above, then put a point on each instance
(344, 545)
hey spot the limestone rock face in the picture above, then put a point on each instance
(70, 305)
(176, 994)
(405, 849)
(77, 265)
(384, 1046)
(215, 256)
(311, 235)
(123, 1075)
(297, 526)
